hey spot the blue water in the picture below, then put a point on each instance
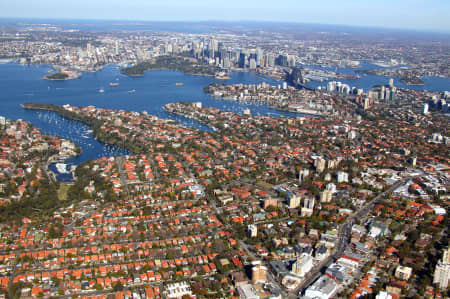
(435, 84)
(20, 84)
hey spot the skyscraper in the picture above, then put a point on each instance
(303, 174)
(117, 47)
(309, 203)
(270, 60)
(319, 164)
(326, 196)
(242, 60)
(259, 56)
(294, 201)
(391, 82)
(425, 108)
(442, 271)
(226, 63)
(259, 272)
(302, 265)
(252, 231)
(213, 48)
(331, 86)
(252, 63)
(308, 207)
(366, 103)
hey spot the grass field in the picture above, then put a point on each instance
(62, 192)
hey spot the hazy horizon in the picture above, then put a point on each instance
(212, 22)
(419, 15)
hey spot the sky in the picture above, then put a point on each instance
(431, 15)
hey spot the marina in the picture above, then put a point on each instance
(62, 168)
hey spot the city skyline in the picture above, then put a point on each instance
(420, 15)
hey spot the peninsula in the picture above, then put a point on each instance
(189, 66)
(285, 98)
(409, 77)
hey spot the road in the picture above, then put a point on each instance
(123, 177)
(344, 237)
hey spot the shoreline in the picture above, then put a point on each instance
(50, 79)
(167, 69)
(305, 111)
(409, 82)
(190, 117)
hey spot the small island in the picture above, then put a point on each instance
(190, 66)
(57, 76)
(62, 75)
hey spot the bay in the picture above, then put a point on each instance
(366, 82)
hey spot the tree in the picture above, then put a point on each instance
(118, 287)
(98, 287)
(16, 288)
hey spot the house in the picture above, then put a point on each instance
(350, 261)
(239, 279)
(340, 273)
(177, 290)
(378, 229)
(321, 253)
(403, 273)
